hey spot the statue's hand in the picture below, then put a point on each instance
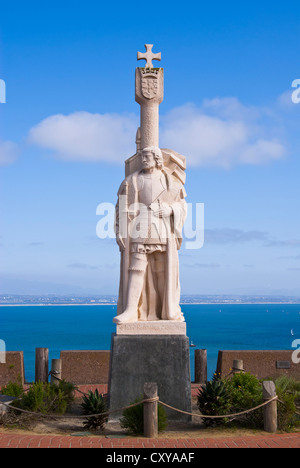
(163, 212)
(120, 242)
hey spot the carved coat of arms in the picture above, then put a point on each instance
(149, 87)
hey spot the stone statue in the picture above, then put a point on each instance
(150, 214)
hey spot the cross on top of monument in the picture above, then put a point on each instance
(148, 56)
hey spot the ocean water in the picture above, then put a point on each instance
(209, 326)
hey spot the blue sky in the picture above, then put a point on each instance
(69, 123)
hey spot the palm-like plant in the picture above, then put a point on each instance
(94, 404)
(212, 400)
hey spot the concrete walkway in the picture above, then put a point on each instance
(10, 440)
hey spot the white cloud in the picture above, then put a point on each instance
(88, 137)
(222, 132)
(8, 152)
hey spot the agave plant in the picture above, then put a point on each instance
(94, 404)
(213, 400)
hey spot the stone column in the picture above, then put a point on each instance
(149, 91)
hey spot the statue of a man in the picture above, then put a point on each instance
(156, 210)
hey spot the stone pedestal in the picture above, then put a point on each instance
(156, 327)
(163, 359)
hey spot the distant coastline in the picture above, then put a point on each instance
(181, 304)
(111, 300)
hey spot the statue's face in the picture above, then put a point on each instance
(148, 160)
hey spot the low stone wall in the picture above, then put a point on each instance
(13, 369)
(85, 367)
(263, 364)
(92, 367)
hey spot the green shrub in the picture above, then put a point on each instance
(288, 391)
(243, 391)
(133, 418)
(94, 403)
(47, 398)
(14, 389)
(246, 392)
(68, 391)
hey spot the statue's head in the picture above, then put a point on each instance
(156, 154)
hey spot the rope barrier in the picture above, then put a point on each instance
(54, 416)
(148, 400)
(176, 409)
(202, 416)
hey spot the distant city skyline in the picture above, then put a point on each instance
(86, 299)
(69, 122)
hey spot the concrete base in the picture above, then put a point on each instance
(163, 359)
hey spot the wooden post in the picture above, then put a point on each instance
(56, 371)
(200, 366)
(270, 410)
(41, 364)
(237, 366)
(150, 411)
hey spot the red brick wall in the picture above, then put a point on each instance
(259, 363)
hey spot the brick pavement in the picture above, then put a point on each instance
(10, 440)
